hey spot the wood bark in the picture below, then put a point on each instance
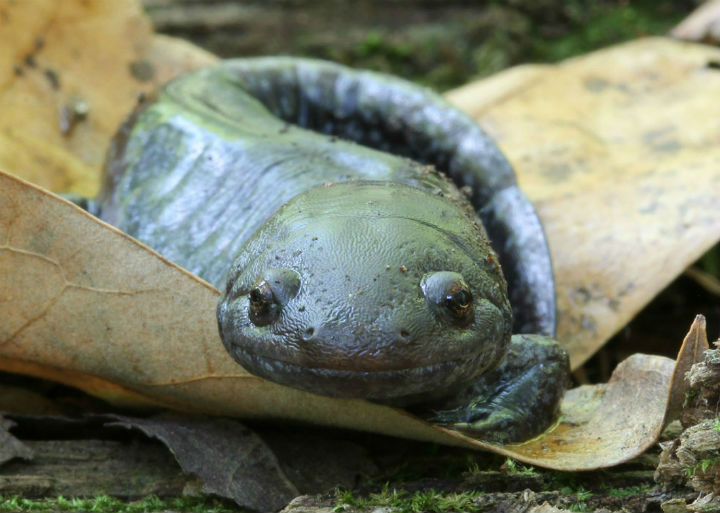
(126, 470)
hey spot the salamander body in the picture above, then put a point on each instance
(344, 215)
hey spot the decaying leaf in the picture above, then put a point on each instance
(72, 71)
(691, 352)
(602, 423)
(619, 151)
(11, 447)
(231, 460)
(319, 460)
(94, 455)
(86, 305)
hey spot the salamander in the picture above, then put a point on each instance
(359, 228)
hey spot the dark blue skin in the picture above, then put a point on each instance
(348, 269)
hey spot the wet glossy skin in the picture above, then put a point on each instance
(346, 270)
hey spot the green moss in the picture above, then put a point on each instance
(404, 502)
(703, 466)
(449, 54)
(432, 460)
(514, 468)
(581, 496)
(690, 396)
(430, 500)
(595, 25)
(630, 490)
(107, 504)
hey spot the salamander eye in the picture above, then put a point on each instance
(270, 293)
(263, 305)
(458, 298)
(449, 295)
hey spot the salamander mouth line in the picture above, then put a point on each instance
(275, 362)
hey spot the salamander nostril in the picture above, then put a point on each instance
(404, 333)
(308, 333)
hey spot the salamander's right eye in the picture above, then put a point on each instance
(270, 293)
(263, 305)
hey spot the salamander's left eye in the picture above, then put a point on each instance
(449, 295)
(270, 294)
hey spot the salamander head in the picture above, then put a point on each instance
(367, 289)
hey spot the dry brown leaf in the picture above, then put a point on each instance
(619, 151)
(86, 305)
(476, 97)
(602, 424)
(230, 459)
(57, 55)
(691, 352)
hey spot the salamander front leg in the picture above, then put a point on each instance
(519, 399)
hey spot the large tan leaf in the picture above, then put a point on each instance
(619, 151)
(86, 305)
(62, 57)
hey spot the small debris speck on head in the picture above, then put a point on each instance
(75, 110)
(53, 78)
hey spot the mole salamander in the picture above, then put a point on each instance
(344, 215)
